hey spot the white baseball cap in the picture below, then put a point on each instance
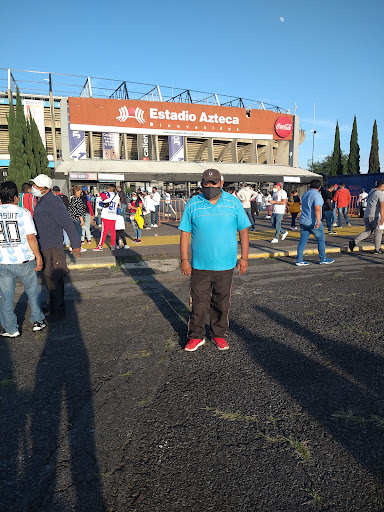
(42, 180)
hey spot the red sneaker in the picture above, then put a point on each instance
(193, 344)
(220, 343)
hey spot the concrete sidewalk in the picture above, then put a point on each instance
(162, 243)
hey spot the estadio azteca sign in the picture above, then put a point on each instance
(182, 119)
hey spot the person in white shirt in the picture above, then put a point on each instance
(246, 195)
(20, 258)
(155, 196)
(362, 202)
(279, 202)
(268, 199)
(111, 201)
(148, 208)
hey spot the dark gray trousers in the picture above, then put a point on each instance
(210, 289)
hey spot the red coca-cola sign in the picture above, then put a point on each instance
(284, 126)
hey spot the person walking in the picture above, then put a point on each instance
(64, 198)
(342, 199)
(268, 199)
(123, 202)
(50, 220)
(373, 218)
(88, 219)
(310, 223)
(327, 207)
(27, 200)
(148, 208)
(279, 203)
(155, 196)
(362, 202)
(210, 222)
(294, 207)
(246, 195)
(76, 210)
(20, 258)
(110, 204)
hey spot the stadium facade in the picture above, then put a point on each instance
(102, 130)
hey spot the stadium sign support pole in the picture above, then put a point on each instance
(53, 122)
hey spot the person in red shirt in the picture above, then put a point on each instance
(27, 200)
(342, 198)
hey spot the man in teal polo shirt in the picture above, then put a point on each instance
(211, 221)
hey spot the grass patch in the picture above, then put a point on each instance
(126, 374)
(349, 416)
(143, 402)
(301, 448)
(315, 500)
(5, 382)
(138, 355)
(232, 416)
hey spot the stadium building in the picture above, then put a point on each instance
(99, 130)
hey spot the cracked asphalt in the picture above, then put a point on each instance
(104, 412)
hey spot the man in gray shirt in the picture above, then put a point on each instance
(373, 218)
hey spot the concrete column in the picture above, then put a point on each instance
(211, 157)
(185, 149)
(294, 143)
(235, 157)
(269, 152)
(125, 146)
(254, 159)
(156, 144)
(90, 141)
(64, 129)
(188, 189)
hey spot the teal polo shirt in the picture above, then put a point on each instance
(214, 230)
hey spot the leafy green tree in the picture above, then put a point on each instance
(374, 163)
(324, 167)
(18, 170)
(336, 164)
(353, 166)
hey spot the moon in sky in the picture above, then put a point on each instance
(282, 19)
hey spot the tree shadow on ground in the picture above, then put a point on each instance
(169, 305)
(320, 388)
(47, 447)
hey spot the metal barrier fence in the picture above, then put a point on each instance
(171, 210)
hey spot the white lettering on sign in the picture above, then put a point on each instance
(184, 115)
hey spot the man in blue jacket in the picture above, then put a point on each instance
(51, 218)
(211, 221)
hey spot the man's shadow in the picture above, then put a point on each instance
(52, 458)
(169, 305)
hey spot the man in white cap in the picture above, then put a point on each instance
(51, 218)
(211, 221)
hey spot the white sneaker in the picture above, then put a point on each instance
(126, 246)
(267, 216)
(155, 226)
(83, 250)
(283, 237)
(274, 241)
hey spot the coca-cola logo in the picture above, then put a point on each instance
(283, 126)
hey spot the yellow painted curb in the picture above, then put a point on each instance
(81, 266)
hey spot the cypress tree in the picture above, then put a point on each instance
(353, 166)
(40, 153)
(374, 163)
(18, 170)
(336, 166)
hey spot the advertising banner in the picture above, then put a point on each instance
(144, 147)
(182, 119)
(176, 148)
(35, 108)
(77, 146)
(111, 146)
(88, 176)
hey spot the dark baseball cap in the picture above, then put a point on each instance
(56, 188)
(212, 175)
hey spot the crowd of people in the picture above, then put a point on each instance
(40, 222)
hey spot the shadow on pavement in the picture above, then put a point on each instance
(170, 306)
(320, 388)
(47, 446)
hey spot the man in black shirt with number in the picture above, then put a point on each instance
(327, 207)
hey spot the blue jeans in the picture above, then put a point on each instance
(328, 214)
(155, 215)
(136, 230)
(249, 215)
(340, 213)
(86, 230)
(276, 223)
(305, 233)
(79, 229)
(334, 212)
(123, 208)
(66, 240)
(8, 277)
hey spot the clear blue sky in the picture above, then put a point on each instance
(330, 50)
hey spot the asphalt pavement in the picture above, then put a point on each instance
(104, 411)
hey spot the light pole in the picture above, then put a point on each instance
(313, 133)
